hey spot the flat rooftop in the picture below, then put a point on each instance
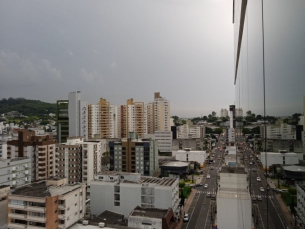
(176, 164)
(149, 212)
(294, 168)
(40, 189)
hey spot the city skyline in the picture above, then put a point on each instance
(118, 50)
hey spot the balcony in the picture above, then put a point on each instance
(61, 216)
(61, 207)
(15, 206)
(36, 219)
(17, 225)
(16, 216)
(36, 209)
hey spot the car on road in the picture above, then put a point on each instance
(259, 197)
(186, 217)
(254, 169)
(213, 197)
(211, 168)
(251, 163)
(208, 176)
(197, 185)
(253, 198)
(258, 179)
(205, 185)
(208, 194)
(262, 189)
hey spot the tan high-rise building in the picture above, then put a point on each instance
(158, 114)
(136, 117)
(101, 118)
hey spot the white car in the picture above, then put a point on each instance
(262, 189)
(208, 194)
(205, 185)
(259, 197)
(186, 217)
(208, 176)
(251, 163)
(258, 179)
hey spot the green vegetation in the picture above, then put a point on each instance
(27, 107)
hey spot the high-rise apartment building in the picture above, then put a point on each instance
(224, 113)
(160, 114)
(62, 121)
(136, 117)
(15, 172)
(101, 120)
(39, 148)
(74, 113)
(48, 204)
(91, 160)
(69, 160)
(134, 155)
(239, 112)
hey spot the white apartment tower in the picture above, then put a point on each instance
(224, 113)
(159, 118)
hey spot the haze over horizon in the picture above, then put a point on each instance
(130, 49)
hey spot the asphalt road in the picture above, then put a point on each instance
(276, 219)
(202, 209)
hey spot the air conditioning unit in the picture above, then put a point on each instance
(101, 224)
(85, 222)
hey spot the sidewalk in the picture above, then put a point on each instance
(285, 210)
(188, 203)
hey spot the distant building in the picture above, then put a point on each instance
(189, 155)
(62, 120)
(47, 204)
(164, 139)
(121, 192)
(239, 112)
(3, 150)
(39, 148)
(224, 113)
(281, 158)
(69, 160)
(15, 172)
(280, 131)
(134, 155)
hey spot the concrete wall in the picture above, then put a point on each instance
(149, 223)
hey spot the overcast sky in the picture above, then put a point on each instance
(131, 49)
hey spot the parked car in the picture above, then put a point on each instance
(208, 194)
(186, 217)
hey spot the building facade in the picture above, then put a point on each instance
(134, 155)
(47, 204)
(121, 192)
(15, 172)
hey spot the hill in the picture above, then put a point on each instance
(27, 107)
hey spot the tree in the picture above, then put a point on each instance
(218, 131)
(183, 122)
(205, 118)
(246, 131)
(249, 113)
(224, 119)
(213, 113)
(208, 130)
